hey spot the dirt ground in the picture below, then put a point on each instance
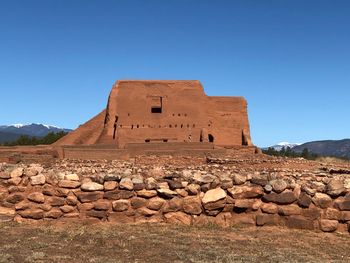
(82, 242)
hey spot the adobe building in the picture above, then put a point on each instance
(146, 112)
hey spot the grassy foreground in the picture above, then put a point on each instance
(79, 242)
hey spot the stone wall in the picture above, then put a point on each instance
(123, 192)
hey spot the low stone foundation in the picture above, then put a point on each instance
(196, 195)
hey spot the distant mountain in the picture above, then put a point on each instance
(280, 145)
(337, 148)
(12, 132)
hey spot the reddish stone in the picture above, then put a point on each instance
(45, 207)
(61, 192)
(343, 204)
(223, 219)
(244, 219)
(322, 200)
(102, 205)
(147, 193)
(284, 198)
(14, 189)
(48, 190)
(14, 181)
(71, 215)
(101, 214)
(53, 213)
(85, 207)
(244, 203)
(69, 184)
(332, 214)
(215, 205)
(4, 175)
(304, 200)
(192, 205)
(31, 213)
(14, 198)
(121, 205)
(146, 212)
(173, 205)
(67, 209)
(71, 199)
(6, 214)
(120, 217)
(36, 197)
(118, 194)
(110, 185)
(155, 203)
(86, 197)
(299, 222)
(178, 218)
(345, 216)
(328, 225)
(269, 208)
(268, 219)
(288, 210)
(137, 202)
(23, 205)
(244, 192)
(56, 201)
(311, 213)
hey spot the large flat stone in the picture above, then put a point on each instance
(284, 198)
(213, 195)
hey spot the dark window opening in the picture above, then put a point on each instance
(115, 129)
(188, 126)
(179, 115)
(115, 126)
(156, 109)
(137, 126)
(170, 126)
(147, 140)
(182, 125)
(157, 105)
(132, 126)
(175, 125)
(210, 138)
(244, 139)
(165, 140)
(194, 125)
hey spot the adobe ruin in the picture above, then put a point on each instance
(154, 112)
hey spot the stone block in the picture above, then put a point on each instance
(179, 218)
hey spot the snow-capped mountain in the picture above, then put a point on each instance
(12, 132)
(280, 145)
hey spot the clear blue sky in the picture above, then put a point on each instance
(290, 59)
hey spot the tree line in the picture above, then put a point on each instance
(288, 152)
(32, 140)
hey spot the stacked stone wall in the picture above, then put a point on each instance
(195, 195)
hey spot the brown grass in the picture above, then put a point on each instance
(80, 242)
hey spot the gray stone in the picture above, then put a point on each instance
(278, 185)
(126, 183)
(91, 186)
(38, 179)
(335, 188)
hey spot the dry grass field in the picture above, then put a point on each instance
(82, 242)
